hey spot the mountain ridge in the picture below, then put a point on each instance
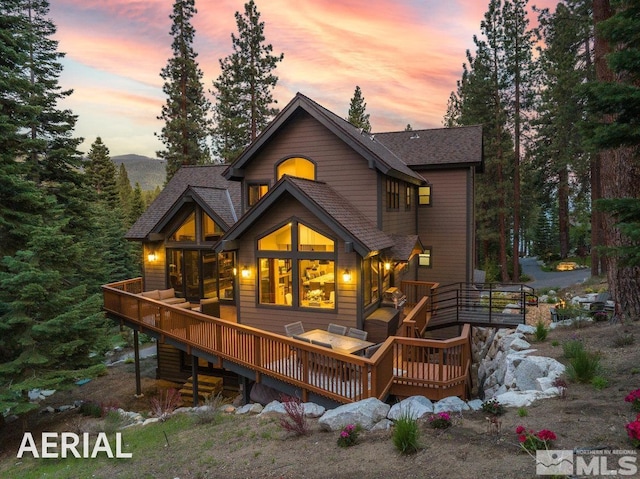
(149, 172)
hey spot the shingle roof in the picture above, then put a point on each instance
(332, 208)
(219, 202)
(444, 146)
(350, 218)
(405, 246)
(209, 176)
(365, 143)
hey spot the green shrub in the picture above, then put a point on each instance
(572, 348)
(541, 332)
(555, 343)
(522, 412)
(583, 366)
(406, 434)
(91, 408)
(211, 413)
(599, 382)
(624, 339)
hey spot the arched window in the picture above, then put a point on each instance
(298, 167)
(296, 267)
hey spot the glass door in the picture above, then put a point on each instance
(192, 275)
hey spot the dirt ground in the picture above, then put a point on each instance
(586, 418)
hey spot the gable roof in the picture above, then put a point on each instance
(366, 144)
(332, 208)
(217, 195)
(422, 149)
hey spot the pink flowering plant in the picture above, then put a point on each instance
(441, 420)
(633, 430)
(531, 440)
(349, 435)
(634, 398)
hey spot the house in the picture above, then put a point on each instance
(313, 222)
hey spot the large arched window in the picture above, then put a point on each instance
(298, 167)
(296, 267)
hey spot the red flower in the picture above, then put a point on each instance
(519, 429)
(522, 438)
(546, 435)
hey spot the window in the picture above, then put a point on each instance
(424, 258)
(424, 195)
(211, 231)
(186, 231)
(371, 283)
(296, 267)
(408, 194)
(299, 167)
(393, 194)
(255, 191)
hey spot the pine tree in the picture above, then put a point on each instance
(517, 46)
(125, 191)
(101, 173)
(50, 305)
(560, 154)
(243, 91)
(357, 114)
(613, 98)
(185, 112)
(137, 204)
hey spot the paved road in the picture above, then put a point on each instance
(551, 279)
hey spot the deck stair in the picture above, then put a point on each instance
(207, 386)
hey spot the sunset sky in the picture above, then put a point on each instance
(406, 56)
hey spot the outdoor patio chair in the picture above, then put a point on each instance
(322, 343)
(294, 328)
(337, 329)
(357, 333)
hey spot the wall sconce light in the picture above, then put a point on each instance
(387, 266)
(235, 271)
(152, 257)
(346, 276)
(245, 272)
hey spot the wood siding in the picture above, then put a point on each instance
(445, 226)
(272, 317)
(336, 163)
(154, 272)
(401, 220)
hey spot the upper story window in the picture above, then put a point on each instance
(279, 240)
(424, 195)
(408, 195)
(186, 231)
(255, 191)
(299, 167)
(211, 231)
(393, 194)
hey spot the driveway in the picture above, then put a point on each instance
(551, 279)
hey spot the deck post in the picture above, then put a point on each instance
(136, 360)
(194, 379)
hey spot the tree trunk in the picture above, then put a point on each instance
(619, 178)
(563, 211)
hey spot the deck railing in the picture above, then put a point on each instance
(402, 363)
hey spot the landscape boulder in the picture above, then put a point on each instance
(367, 413)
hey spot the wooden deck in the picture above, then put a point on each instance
(402, 366)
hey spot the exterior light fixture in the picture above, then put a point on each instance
(346, 276)
(152, 257)
(387, 266)
(245, 272)
(235, 271)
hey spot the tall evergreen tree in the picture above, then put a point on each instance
(185, 113)
(517, 46)
(560, 155)
(613, 97)
(50, 306)
(101, 173)
(243, 91)
(125, 192)
(357, 114)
